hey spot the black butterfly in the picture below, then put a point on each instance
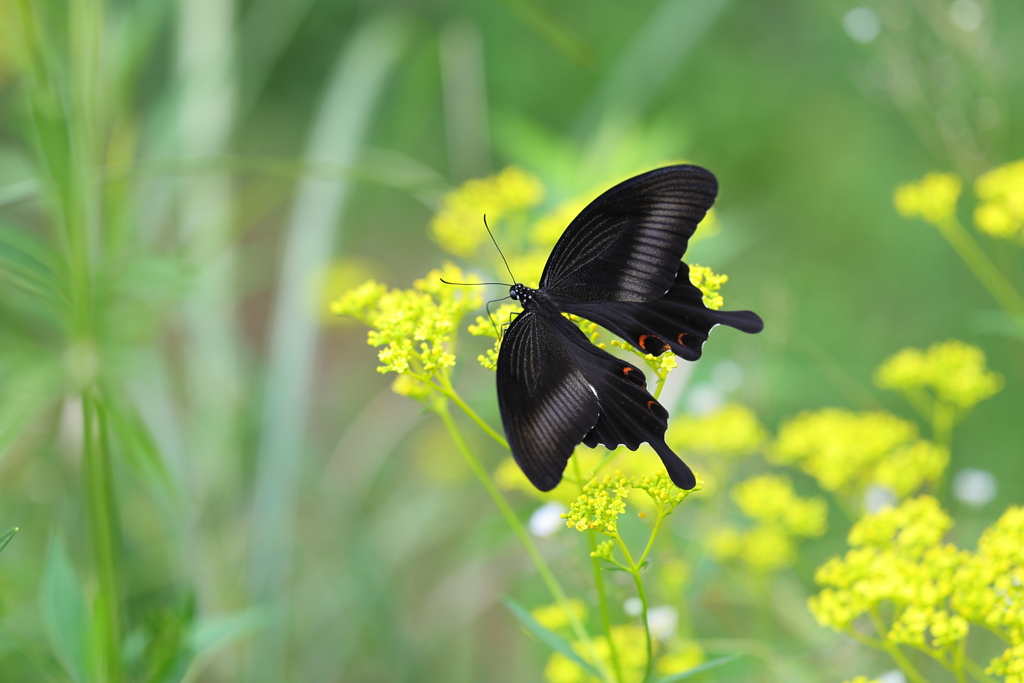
(618, 265)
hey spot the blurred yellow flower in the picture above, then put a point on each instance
(674, 656)
(848, 451)
(1001, 191)
(458, 228)
(932, 198)
(550, 226)
(953, 371)
(681, 655)
(782, 518)
(732, 430)
(862, 679)
(553, 617)
(770, 499)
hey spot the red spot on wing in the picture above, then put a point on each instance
(626, 370)
(642, 343)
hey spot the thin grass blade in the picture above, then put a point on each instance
(547, 636)
(697, 670)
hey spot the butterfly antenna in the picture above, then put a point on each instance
(489, 317)
(473, 284)
(499, 249)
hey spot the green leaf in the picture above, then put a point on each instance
(29, 264)
(6, 538)
(697, 670)
(140, 448)
(211, 635)
(64, 611)
(547, 636)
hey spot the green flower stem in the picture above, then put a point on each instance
(943, 419)
(602, 599)
(895, 652)
(660, 385)
(602, 596)
(445, 387)
(102, 525)
(579, 631)
(979, 263)
(654, 533)
(634, 570)
(959, 658)
(976, 672)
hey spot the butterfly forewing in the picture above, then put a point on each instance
(626, 245)
(546, 404)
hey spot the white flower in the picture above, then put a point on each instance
(547, 519)
(974, 487)
(662, 621)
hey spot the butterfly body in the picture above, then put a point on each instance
(617, 264)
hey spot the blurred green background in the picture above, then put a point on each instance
(184, 184)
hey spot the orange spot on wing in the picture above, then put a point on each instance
(651, 403)
(680, 339)
(626, 370)
(643, 338)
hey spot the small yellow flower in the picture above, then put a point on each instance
(1001, 191)
(458, 227)
(932, 198)
(708, 282)
(953, 371)
(414, 327)
(934, 590)
(600, 505)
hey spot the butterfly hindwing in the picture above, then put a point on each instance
(630, 415)
(678, 321)
(626, 244)
(546, 404)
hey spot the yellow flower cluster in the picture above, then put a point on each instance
(848, 451)
(1001, 191)
(953, 371)
(897, 558)
(553, 617)
(604, 499)
(932, 198)
(414, 326)
(732, 430)
(935, 591)
(782, 519)
(708, 282)
(509, 191)
(600, 505)
(863, 679)
(990, 589)
(674, 656)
